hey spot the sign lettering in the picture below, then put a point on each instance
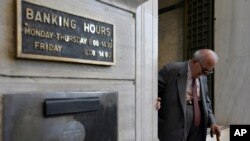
(48, 34)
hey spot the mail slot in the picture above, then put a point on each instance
(63, 106)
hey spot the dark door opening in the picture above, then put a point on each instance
(184, 27)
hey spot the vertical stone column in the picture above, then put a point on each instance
(146, 70)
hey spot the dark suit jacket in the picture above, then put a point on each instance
(172, 81)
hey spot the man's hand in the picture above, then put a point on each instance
(158, 103)
(215, 129)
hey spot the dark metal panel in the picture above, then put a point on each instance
(23, 119)
(198, 26)
(199, 30)
(49, 34)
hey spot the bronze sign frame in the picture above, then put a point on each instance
(32, 44)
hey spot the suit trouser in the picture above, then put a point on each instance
(193, 133)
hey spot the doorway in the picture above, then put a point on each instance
(184, 27)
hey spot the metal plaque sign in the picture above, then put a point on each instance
(48, 34)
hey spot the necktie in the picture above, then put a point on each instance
(197, 113)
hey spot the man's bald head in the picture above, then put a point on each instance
(206, 57)
(203, 62)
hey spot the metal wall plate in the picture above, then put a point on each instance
(24, 118)
(48, 34)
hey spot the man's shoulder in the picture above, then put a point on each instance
(175, 65)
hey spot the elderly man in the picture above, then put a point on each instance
(185, 110)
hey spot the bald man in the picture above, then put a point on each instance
(185, 109)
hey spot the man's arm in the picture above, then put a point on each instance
(162, 75)
(161, 86)
(215, 129)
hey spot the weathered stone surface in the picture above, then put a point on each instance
(232, 72)
(130, 5)
(124, 44)
(133, 76)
